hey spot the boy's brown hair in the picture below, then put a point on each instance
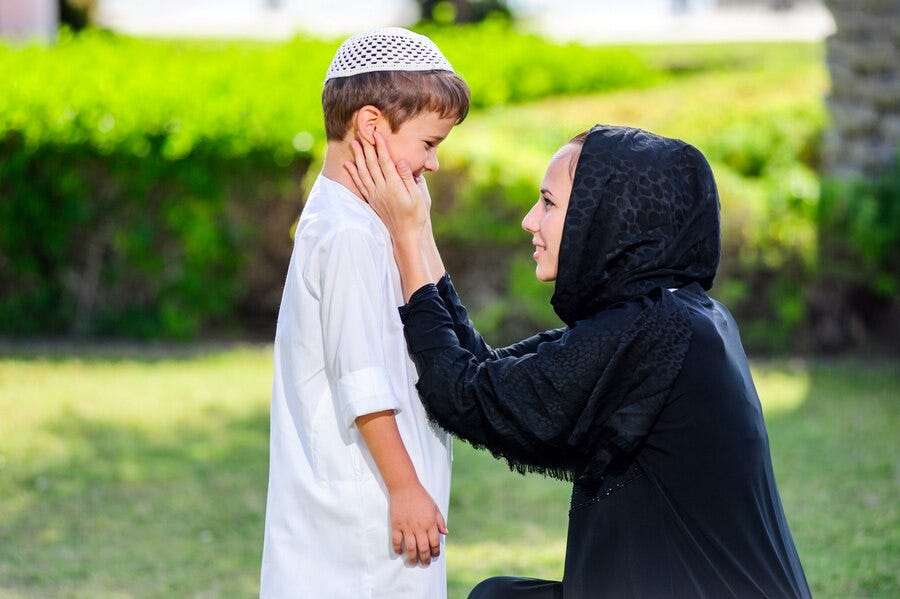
(399, 95)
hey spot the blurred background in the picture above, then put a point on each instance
(154, 157)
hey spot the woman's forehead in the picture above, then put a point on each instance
(566, 158)
(559, 165)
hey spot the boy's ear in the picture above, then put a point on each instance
(367, 120)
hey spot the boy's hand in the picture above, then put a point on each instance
(416, 524)
(391, 190)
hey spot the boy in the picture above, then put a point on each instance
(359, 479)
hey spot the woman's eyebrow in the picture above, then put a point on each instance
(546, 192)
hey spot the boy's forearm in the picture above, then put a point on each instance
(379, 431)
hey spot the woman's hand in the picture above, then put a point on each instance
(391, 190)
(397, 198)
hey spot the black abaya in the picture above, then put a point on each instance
(644, 400)
(694, 513)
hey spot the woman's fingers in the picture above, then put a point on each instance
(423, 189)
(409, 181)
(404, 171)
(372, 163)
(362, 169)
(383, 155)
(354, 174)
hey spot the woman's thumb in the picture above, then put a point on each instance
(404, 171)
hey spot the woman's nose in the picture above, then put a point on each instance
(530, 222)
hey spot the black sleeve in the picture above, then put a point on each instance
(471, 340)
(523, 408)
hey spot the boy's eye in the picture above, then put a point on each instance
(430, 144)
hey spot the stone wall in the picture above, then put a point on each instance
(864, 104)
(852, 303)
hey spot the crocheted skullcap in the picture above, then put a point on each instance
(386, 49)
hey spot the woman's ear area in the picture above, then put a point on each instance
(366, 122)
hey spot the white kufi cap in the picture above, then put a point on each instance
(386, 49)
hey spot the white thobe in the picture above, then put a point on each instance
(339, 354)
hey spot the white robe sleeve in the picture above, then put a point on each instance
(352, 279)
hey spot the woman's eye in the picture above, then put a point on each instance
(547, 202)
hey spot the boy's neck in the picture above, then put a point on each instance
(336, 154)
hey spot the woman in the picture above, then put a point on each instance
(644, 400)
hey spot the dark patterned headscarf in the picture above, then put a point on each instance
(643, 214)
(643, 218)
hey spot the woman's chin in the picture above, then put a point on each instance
(544, 277)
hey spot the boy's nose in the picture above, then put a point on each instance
(432, 164)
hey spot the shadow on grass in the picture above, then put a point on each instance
(174, 513)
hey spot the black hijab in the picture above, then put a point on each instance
(643, 214)
(643, 218)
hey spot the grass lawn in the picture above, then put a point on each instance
(142, 473)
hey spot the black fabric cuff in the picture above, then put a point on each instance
(445, 286)
(426, 322)
(451, 299)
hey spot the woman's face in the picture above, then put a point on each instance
(545, 219)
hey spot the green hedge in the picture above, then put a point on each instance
(147, 187)
(121, 245)
(133, 172)
(127, 172)
(856, 299)
(114, 92)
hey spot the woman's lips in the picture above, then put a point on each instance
(538, 251)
